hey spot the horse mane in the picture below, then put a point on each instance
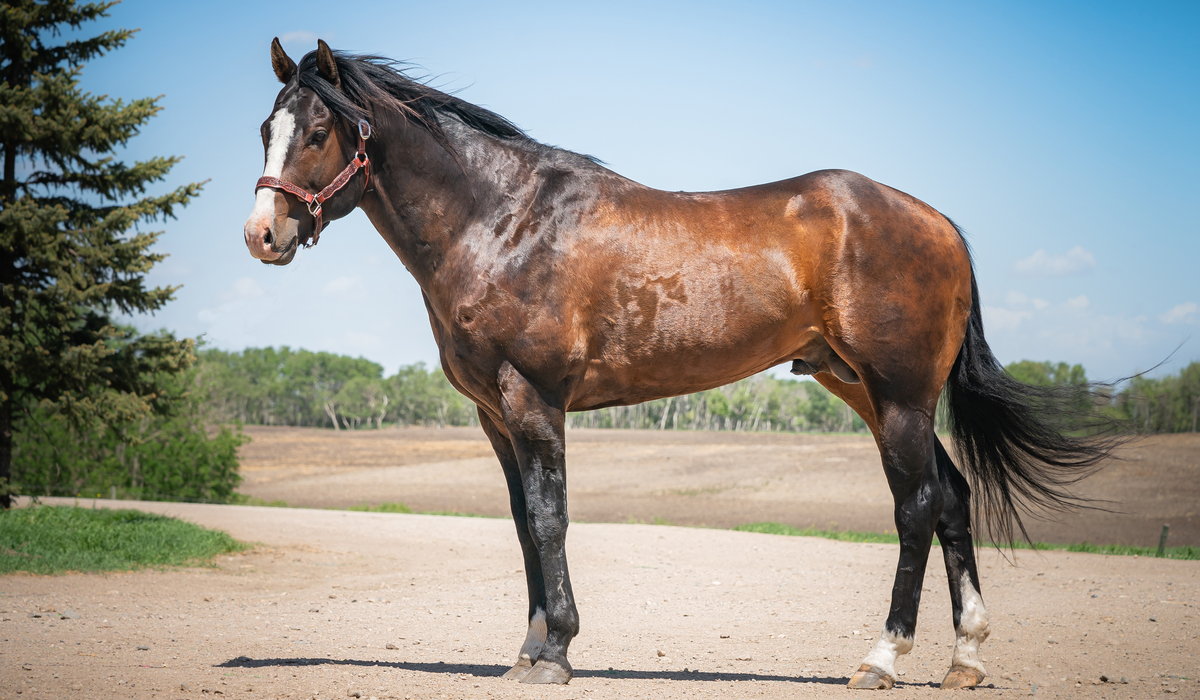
(374, 81)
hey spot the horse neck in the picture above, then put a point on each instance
(425, 197)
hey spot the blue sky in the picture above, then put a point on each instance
(1061, 136)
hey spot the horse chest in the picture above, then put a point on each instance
(491, 323)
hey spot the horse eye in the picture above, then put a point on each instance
(319, 137)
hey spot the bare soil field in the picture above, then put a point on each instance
(713, 479)
(340, 604)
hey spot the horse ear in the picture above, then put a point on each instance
(326, 65)
(284, 67)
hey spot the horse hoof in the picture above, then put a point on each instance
(870, 678)
(519, 671)
(548, 672)
(961, 677)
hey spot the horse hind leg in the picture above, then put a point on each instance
(958, 550)
(906, 440)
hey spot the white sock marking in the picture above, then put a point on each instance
(972, 628)
(535, 637)
(883, 654)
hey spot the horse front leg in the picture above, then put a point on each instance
(536, 431)
(906, 444)
(535, 635)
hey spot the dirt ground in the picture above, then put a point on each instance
(335, 604)
(341, 604)
(715, 479)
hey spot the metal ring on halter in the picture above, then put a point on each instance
(314, 207)
(364, 129)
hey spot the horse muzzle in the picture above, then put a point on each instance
(270, 238)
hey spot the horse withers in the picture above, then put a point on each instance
(554, 284)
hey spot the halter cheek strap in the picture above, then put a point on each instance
(360, 161)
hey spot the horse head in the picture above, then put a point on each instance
(310, 176)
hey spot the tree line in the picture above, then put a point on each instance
(178, 450)
(282, 386)
(758, 403)
(1168, 404)
(269, 386)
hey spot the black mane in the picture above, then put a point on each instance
(374, 80)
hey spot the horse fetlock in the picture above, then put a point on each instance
(535, 638)
(972, 630)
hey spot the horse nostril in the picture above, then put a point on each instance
(267, 237)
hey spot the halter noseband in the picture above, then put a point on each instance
(314, 201)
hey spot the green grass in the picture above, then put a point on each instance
(382, 508)
(657, 520)
(58, 539)
(1117, 549)
(460, 514)
(241, 499)
(892, 538)
(843, 536)
(401, 508)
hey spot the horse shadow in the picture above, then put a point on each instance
(495, 671)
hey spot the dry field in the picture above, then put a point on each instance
(694, 478)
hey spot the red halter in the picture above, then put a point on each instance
(314, 201)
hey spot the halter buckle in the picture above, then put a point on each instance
(364, 129)
(314, 207)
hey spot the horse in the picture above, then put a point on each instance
(553, 284)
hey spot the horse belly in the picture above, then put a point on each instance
(700, 326)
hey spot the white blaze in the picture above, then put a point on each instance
(535, 637)
(883, 654)
(283, 129)
(972, 628)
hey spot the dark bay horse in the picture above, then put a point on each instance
(554, 284)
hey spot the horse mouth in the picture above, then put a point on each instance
(286, 255)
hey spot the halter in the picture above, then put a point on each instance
(314, 201)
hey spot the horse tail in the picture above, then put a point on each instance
(1022, 445)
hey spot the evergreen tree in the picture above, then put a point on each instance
(68, 260)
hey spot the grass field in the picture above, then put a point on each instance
(52, 540)
(892, 538)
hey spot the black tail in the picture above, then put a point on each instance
(1014, 438)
